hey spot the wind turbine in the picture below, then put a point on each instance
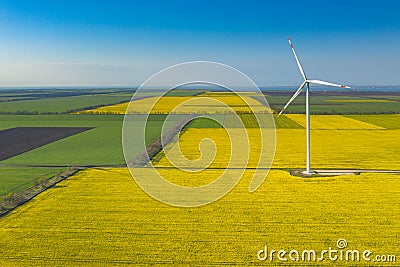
(306, 83)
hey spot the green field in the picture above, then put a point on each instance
(61, 104)
(283, 122)
(204, 123)
(64, 101)
(15, 179)
(99, 146)
(178, 92)
(248, 120)
(387, 97)
(321, 104)
(385, 121)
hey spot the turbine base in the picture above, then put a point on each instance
(311, 172)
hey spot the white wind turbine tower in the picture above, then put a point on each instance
(306, 83)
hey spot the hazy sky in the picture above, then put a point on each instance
(124, 42)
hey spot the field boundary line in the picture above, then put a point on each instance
(14, 200)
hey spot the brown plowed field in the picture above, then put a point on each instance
(19, 140)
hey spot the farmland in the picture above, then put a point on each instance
(246, 120)
(50, 105)
(321, 103)
(334, 122)
(100, 145)
(202, 104)
(14, 179)
(359, 100)
(385, 121)
(340, 149)
(19, 140)
(345, 103)
(100, 216)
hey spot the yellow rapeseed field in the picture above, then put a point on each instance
(341, 149)
(221, 144)
(332, 122)
(202, 104)
(101, 217)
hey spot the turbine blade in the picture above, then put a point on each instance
(293, 97)
(329, 84)
(297, 60)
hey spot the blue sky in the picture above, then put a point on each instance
(50, 43)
